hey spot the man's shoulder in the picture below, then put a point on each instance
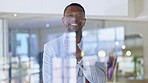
(54, 41)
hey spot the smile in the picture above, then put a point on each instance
(74, 24)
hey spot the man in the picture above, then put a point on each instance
(88, 71)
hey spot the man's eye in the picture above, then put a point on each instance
(80, 17)
(69, 15)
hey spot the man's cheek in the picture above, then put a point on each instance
(65, 22)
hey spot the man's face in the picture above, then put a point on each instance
(74, 18)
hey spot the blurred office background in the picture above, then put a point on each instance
(112, 26)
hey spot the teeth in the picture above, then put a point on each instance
(74, 24)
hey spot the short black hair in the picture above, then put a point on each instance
(75, 4)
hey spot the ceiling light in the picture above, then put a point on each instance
(123, 46)
(141, 35)
(128, 53)
(47, 25)
(116, 43)
(14, 15)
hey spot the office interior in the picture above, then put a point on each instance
(119, 27)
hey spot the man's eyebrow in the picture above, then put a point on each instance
(69, 12)
(80, 13)
(76, 12)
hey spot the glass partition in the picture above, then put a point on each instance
(130, 65)
(24, 67)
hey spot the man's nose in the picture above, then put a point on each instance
(75, 18)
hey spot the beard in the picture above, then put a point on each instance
(72, 28)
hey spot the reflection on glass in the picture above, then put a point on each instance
(130, 65)
(95, 42)
(22, 44)
(25, 64)
(23, 67)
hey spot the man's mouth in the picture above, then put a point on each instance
(74, 24)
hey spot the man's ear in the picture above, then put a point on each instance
(83, 23)
(63, 20)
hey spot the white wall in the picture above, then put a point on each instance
(95, 7)
(1, 38)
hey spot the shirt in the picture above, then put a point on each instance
(65, 69)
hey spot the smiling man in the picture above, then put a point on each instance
(87, 70)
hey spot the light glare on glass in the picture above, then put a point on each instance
(128, 53)
(82, 53)
(117, 43)
(101, 53)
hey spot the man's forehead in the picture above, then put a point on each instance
(74, 9)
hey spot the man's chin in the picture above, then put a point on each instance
(72, 29)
